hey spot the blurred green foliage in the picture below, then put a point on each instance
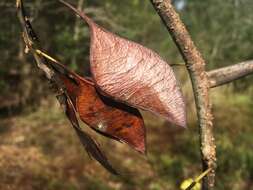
(38, 149)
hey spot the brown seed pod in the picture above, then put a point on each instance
(106, 116)
(133, 74)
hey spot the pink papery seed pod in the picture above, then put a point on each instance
(133, 74)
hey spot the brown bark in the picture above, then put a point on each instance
(196, 68)
(231, 73)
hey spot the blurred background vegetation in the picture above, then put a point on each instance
(38, 148)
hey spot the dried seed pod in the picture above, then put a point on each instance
(133, 74)
(106, 116)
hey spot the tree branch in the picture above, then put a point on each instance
(228, 74)
(196, 68)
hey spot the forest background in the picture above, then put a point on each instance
(38, 148)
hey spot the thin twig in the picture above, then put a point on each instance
(197, 180)
(231, 73)
(196, 68)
